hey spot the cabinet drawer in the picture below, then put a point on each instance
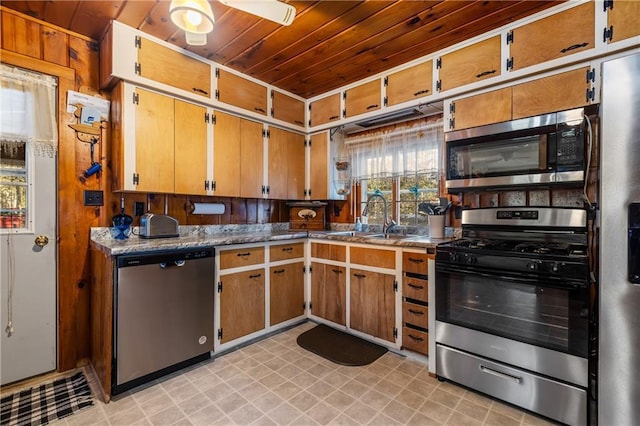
(415, 340)
(286, 251)
(415, 314)
(241, 257)
(329, 252)
(373, 257)
(415, 288)
(415, 263)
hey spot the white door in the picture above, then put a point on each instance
(28, 261)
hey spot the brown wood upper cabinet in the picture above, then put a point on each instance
(473, 63)
(286, 164)
(241, 92)
(557, 92)
(167, 66)
(318, 166)
(324, 110)
(363, 98)
(412, 83)
(623, 18)
(553, 37)
(287, 109)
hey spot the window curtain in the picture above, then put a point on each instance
(403, 149)
(28, 111)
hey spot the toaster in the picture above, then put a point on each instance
(158, 226)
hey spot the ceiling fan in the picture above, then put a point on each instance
(195, 17)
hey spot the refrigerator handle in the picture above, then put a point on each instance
(633, 249)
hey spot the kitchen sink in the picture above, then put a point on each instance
(390, 236)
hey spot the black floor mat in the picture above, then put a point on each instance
(340, 347)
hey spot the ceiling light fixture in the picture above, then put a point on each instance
(272, 10)
(195, 17)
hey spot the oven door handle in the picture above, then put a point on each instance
(548, 282)
(509, 377)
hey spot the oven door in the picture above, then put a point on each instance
(540, 325)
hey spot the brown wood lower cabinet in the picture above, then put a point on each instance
(286, 292)
(241, 304)
(372, 303)
(415, 340)
(328, 292)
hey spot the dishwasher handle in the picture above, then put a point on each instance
(175, 263)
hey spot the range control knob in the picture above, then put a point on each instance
(532, 266)
(556, 267)
(453, 257)
(471, 259)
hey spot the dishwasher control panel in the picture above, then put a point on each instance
(162, 257)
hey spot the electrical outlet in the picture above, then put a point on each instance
(93, 198)
(138, 208)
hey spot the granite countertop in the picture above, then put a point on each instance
(220, 235)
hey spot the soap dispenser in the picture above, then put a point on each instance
(358, 226)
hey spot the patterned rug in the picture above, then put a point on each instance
(45, 403)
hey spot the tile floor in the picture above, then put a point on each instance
(276, 382)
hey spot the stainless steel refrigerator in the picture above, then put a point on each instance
(619, 241)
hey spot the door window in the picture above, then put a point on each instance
(14, 184)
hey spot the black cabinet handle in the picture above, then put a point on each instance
(417, 287)
(417, 339)
(255, 276)
(243, 254)
(299, 122)
(414, 260)
(279, 271)
(482, 74)
(287, 249)
(204, 92)
(359, 275)
(415, 312)
(421, 92)
(260, 110)
(337, 271)
(574, 47)
(372, 106)
(333, 117)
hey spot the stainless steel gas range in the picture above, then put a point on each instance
(514, 307)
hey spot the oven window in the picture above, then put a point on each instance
(549, 317)
(507, 157)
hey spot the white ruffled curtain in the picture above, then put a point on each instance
(28, 111)
(404, 149)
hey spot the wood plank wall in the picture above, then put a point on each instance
(33, 44)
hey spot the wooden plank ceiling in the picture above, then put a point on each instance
(330, 43)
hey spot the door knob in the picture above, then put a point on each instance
(42, 240)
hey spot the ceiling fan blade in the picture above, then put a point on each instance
(272, 10)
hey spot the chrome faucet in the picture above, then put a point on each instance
(388, 224)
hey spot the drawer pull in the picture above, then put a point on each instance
(421, 92)
(337, 271)
(360, 275)
(287, 249)
(334, 117)
(414, 260)
(482, 74)
(204, 92)
(414, 312)
(417, 339)
(255, 276)
(243, 254)
(260, 110)
(574, 47)
(417, 287)
(279, 271)
(505, 376)
(372, 106)
(299, 122)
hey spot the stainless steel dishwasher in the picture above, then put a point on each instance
(163, 314)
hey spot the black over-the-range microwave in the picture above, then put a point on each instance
(548, 149)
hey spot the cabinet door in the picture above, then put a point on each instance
(154, 148)
(554, 93)
(296, 172)
(190, 148)
(553, 37)
(623, 19)
(286, 292)
(286, 164)
(470, 64)
(363, 98)
(319, 166)
(251, 158)
(242, 304)
(372, 303)
(167, 66)
(240, 92)
(325, 110)
(287, 109)
(226, 155)
(486, 108)
(412, 83)
(328, 292)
